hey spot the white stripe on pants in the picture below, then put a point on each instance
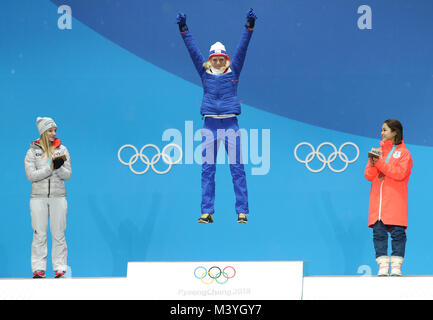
(54, 209)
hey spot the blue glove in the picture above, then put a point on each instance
(251, 19)
(181, 22)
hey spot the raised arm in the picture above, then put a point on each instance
(194, 51)
(241, 50)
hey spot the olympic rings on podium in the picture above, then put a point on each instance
(208, 276)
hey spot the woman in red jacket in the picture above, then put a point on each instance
(389, 174)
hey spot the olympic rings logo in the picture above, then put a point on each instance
(327, 161)
(150, 164)
(208, 276)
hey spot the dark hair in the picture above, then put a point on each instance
(395, 126)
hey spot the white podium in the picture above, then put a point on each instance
(368, 288)
(209, 280)
(215, 280)
(219, 280)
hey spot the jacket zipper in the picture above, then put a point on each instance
(380, 200)
(49, 187)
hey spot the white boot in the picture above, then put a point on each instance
(383, 262)
(396, 265)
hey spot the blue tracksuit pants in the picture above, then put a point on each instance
(214, 132)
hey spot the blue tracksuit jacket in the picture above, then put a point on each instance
(220, 92)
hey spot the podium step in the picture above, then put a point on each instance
(261, 280)
(220, 280)
(201, 280)
(368, 288)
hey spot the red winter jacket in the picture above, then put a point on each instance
(389, 193)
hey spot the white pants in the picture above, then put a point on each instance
(56, 210)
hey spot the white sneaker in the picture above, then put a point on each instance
(396, 265)
(383, 262)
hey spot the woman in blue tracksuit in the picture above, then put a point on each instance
(220, 107)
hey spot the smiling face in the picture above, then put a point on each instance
(218, 62)
(51, 134)
(387, 133)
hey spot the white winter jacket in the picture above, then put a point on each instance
(47, 182)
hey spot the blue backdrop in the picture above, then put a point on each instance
(122, 75)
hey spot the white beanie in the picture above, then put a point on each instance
(218, 49)
(44, 123)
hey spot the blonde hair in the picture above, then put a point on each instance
(46, 145)
(207, 65)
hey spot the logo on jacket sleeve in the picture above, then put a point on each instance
(396, 154)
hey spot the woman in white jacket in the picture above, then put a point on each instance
(47, 165)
